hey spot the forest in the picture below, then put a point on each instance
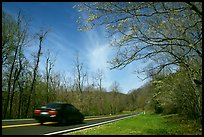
(171, 36)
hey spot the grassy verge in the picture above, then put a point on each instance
(148, 124)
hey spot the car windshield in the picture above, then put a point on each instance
(53, 105)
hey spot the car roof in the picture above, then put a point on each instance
(59, 103)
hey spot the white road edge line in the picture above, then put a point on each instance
(88, 126)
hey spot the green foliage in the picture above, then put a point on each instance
(158, 108)
(175, 93)
(148, 124)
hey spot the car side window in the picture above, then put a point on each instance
(73, 108)
(70, 108)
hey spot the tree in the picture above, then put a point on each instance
(167, 34)
(14, 39)
(115, 87)
(99, 77)
(41, 37)
(80, 75)
(49, 67)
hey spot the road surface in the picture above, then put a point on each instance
(32, 127)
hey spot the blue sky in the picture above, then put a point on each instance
(64, 41)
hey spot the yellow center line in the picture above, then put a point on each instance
(34, 124)
(21, 125)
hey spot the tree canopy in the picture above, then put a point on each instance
(167, 33)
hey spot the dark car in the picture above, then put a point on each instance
(58, 112)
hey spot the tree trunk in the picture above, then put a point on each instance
(32, 89)
(9, 83)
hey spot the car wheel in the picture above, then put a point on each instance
(81, 120)
(62, 121)
(41, 122)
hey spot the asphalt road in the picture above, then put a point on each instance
(31, 127)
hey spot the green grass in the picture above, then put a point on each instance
(148, 124)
